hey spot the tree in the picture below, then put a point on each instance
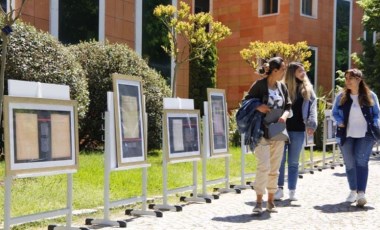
(7, 20)
(258, 51)
(369, 60)
(202, 76)
(192, 30)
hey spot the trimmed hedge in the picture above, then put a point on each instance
(100, 62)
(37, 56)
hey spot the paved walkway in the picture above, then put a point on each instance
(321, 206)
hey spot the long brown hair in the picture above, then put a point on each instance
(364, 97)
(306, 88)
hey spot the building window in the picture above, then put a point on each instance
(342, 39)
(78, 21)
(267, 7)
(4, 5)
(201, 6)
(154, 35)
(371, 36)
(312, 73)
(309, 8)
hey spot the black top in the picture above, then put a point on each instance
(296, 123)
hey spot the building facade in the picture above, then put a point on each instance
(330, 27)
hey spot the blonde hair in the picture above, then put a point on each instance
(306, 88)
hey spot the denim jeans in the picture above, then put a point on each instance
(297, 140)
(356, 153)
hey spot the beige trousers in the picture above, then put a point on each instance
(269, 155)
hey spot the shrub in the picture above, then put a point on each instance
(234, 134)
(37, 56)
(324, 103)
(100, 62)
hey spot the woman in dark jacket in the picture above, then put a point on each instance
(273, 95)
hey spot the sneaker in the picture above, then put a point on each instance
(292, 195)
(279, 194)
(361, 200)
(258, 208)
(351, 197)
(271, 207)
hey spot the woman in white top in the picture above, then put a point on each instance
(356, 112)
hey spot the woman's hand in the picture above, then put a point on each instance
(263, 108)
(284, 116)
(282, 119)
(309, 131)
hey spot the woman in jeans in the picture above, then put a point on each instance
(304, 108)
(356, 112)
(272, 94)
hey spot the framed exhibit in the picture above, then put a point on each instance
(218, 121)
(130, 124)
(40, 135)
(330, 127)
(181, 133)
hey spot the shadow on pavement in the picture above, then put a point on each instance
(244, 218)
(341, 207)
(286, 203)
(340, 174)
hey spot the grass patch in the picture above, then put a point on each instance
(40, 194)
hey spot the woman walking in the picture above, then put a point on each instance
(304, 108)
(273, 96)
(356, 112)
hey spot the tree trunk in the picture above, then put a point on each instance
(174, 80)
(2, 73)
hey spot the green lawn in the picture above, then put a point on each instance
(33, 195)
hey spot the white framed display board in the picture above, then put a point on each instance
(218, 121)
(41, 135)
(129, 120)
(329, 127)
(181, 130)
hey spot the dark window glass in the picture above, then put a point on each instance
(307, 7)
(202, 6)
(311, 73)
(78, 21)
(342, 35)
(4, 5)
(270, 6)
(154, 35)
(369, 36)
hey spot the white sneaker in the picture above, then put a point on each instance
(361, 199)
(279, 194)
(292, 195)
(351, 197)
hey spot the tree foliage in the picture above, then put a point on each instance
(369, 60)
(258, 51)
(202, 76)
(192, 30)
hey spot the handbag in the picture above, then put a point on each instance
(277, 132)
